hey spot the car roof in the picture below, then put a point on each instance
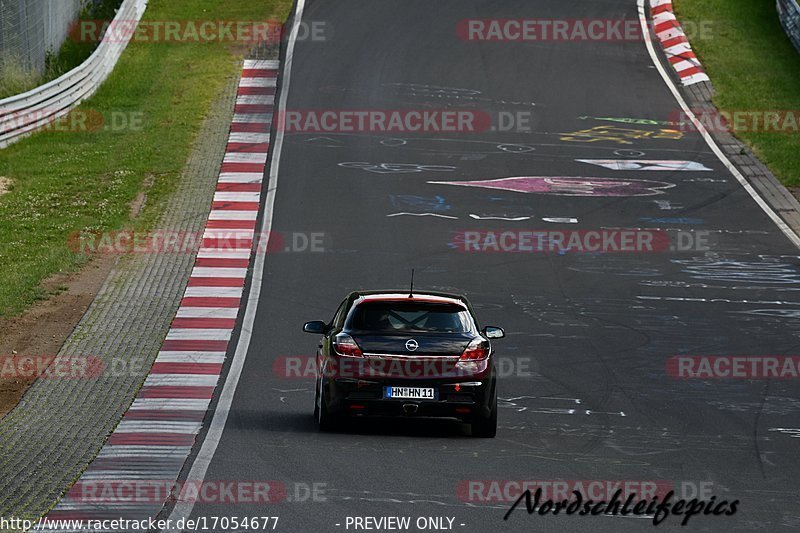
(418, 296)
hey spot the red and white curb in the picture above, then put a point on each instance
(154, 438)
(675, 43)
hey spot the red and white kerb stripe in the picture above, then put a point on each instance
(156, 435)
(676, 45)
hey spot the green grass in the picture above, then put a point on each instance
(15, 77)
(63, 183)
(753, 67)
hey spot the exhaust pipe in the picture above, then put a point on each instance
(410, 408)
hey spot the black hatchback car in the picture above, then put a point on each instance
(389, 353)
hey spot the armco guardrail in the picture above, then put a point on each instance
(25, 113)
(789, 13)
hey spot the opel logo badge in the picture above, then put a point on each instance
(411, 345)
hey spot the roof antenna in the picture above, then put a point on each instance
(411, 292)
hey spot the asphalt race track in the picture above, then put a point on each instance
(585, 389)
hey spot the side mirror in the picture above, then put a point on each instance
(317, 326)
(492, 332)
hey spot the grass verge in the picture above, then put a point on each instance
(15, 78)
(66, 182)
(753, 67)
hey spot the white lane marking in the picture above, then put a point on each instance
(707, 136)
(207, 312)
(229, 233)
(666, 205)
(722, 301)
(143, 451)
(191, 357)
(253, 118)
(253, 197)
(678, 50)
(223, 292)
(157, 426)
(665, 16)
(646, 164)
(695, 78)
(510, 219)
(792, 432)
(421, 215)
(215, 253)
(265, 64)
(224, 214)
(616, 413)
(248, 138)
(217, 426)
(245, 157)
(181, 380)
(197, 334)
(169, 404)
(213, 272)
(258, 82)
(684, 65)
(240, 177)
(230, 239)
(561, 220)
(255, 99)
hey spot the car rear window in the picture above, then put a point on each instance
(389, 317)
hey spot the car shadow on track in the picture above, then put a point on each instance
(281, 422)
(407, 427)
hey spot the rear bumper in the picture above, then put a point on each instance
(464, 400)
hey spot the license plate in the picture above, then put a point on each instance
(409, 393)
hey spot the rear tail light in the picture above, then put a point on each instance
(345, 346)
(477, 350)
